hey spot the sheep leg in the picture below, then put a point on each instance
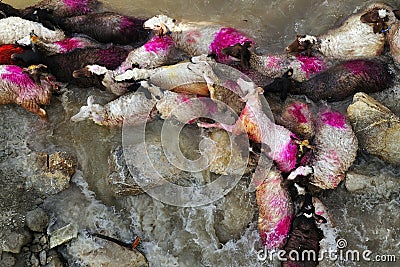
(33, 107)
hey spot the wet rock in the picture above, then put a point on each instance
(99, 252)
(7, 260)
(37, 220)
(12, 241)
(120, 179)
(42, 257)
(51, 173)
(54, 261)
(34, 260)
(223, 153)
(63, 235)
(382, 184)
(376, 127)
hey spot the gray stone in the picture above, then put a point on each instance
(36, 248)
(90, 252)
(383, 184)
(37, 220)
(34, 260)
(42, 257)
(63, 235)
(54, 261)
(376, 127)
(51, 173)
(7, 260)
(13, 242)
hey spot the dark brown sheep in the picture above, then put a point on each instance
(302, 247)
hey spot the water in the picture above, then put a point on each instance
(223, 233)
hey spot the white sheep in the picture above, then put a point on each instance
(13, 29)
(197, 38)
(355, 38)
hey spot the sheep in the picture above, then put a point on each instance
(354, 39)
(197, 38)
(274, 66)
(134, 108)
(305, 236)
(187, 77)
(338, 82)
(393, 36)
(60, 47)
(335, 149)
(13, 29)
(275, 208)
(154, 53)
(377, 128)
(297, 116)
(282, 143)
(16, 86)
(63, 65)
(108, 27)
(7, 10)
(64, 8)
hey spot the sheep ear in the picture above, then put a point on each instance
(90, 101)
(370, 17)
(397, 14)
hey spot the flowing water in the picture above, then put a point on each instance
(223, 233)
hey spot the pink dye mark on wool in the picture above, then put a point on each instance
(334, 119)
(273, 62)
(81, 6)
(15, 75)
(192, 36)
(224, 38)
(311, 65)
(157, 44)
(130, 25)
(277, 237)
(286, 160)
(296, 110)
(358, 66)
(69, 44)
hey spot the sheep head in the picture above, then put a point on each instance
(308, 210)
(241, 52)
(378, 17)
(302, 43)
(89, 71)
(39, 74)
(162, 24)
(91, 111)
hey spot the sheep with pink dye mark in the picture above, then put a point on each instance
(335, 149)
(275, 208)
(196, 38)
(108, 27)
(16, 86)
(274, 66)
(64, 8)
(352, 40)
(63, 46)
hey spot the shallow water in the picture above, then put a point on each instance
(223, 233)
